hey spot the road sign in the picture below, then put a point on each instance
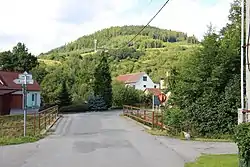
(22, 76)
(24, 79)
(21, 81)
(162, 97)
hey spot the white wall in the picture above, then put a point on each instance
(149, 83)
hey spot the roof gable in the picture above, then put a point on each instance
(8, 82)
(154, 91)
(130, 78)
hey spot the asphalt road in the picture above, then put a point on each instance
(105, 140)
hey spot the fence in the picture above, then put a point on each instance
(152, 118)
(12, 125)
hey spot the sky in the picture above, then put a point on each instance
(45, 24)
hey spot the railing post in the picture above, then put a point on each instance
(39, 122)
(162, 120)
(45, 120)
(153, 119)
(55, 113)
(35, 123)
(144, 114)
(156, 119)
(50, 116)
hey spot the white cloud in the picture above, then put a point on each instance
(45, 24)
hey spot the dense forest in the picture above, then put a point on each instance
(204, 77)
(118, 37)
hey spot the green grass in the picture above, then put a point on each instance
(12, 125)
(18, 140)
(229, 160)
(212, 140)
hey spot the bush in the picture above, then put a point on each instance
(175, 118)
(74, 108)
(125, 95)
(97, 103)
(242, 139)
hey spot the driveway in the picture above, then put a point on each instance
(103, 140)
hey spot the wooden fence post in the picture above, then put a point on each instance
(50, 117)
(162, 121)
(35, 123)
(153, 119)
(39, 122)
(156, 119)
(144, 114)
(45, 120)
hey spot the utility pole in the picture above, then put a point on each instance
(242, 53)
(247, 57)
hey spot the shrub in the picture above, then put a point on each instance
(242, 139)
(74, 108)
(97, 103)
(126, 95)
(175, 118)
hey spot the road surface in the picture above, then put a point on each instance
(103, 140)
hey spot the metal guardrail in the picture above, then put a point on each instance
(144, 116)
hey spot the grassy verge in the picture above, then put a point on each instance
(158, 132)
(18, 140)
(11, 130)
(230, 160)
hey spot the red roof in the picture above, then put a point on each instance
(130, 78)
(154, 91)
(3, 92)
(8, 83)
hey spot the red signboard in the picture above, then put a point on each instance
(162, 97)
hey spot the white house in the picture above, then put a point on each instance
(140, 81)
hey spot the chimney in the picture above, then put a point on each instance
(162, 83)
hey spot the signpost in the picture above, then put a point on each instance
(24, 79)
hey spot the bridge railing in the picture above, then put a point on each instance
(151, 118)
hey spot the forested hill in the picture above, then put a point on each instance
(116, 37)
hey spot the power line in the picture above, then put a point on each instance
(149, 21)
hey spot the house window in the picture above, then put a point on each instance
(145, 78)
(144, 86)
(33, 97)
(155, 86)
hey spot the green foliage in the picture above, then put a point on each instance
(176, 119)
(74, 108)
(97, 103)
(242, 139)
(39, 72)
(18, 60)
(206, 85)
(126, 95)
(224, 160)
(102, 81)
(64, 97)
(151, 37)
(51, 85)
